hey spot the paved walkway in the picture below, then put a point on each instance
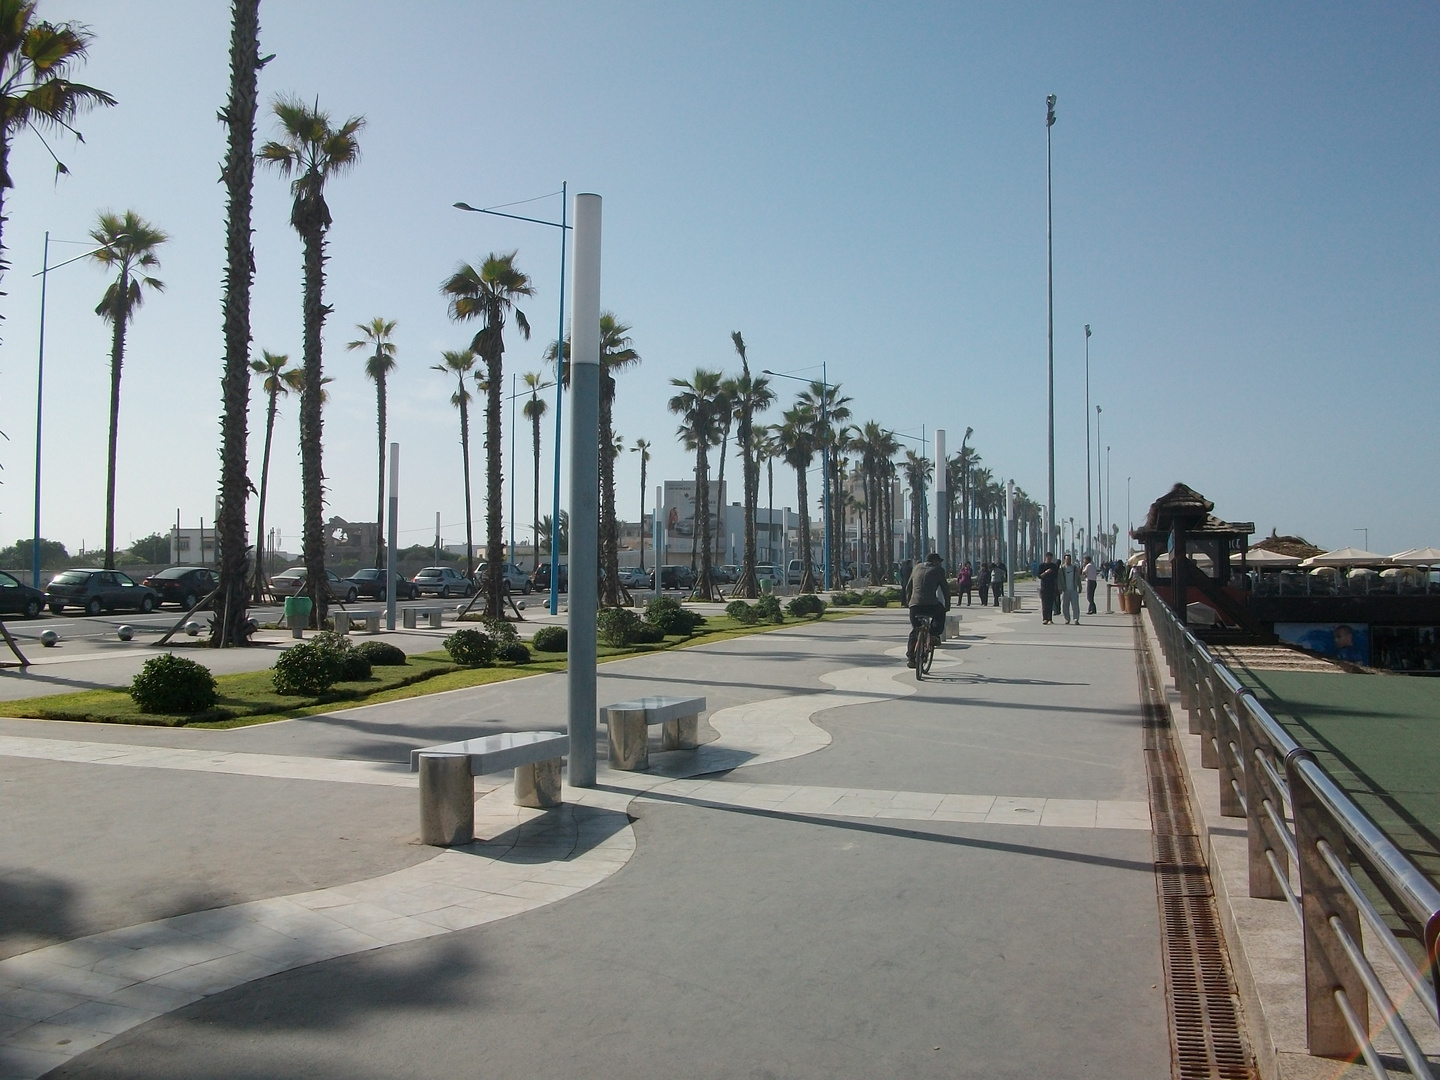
(858, 875)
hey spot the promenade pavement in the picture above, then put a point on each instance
(857, 876)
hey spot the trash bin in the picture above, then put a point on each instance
(297, 614)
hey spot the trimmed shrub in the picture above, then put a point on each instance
(742, 612)
(893, 596)
(666, 613)
(551, 639)
(617, 626)
(381, 654)
(874, 599)
(806, 604)
(471, 648)
(767, 609)
(173, 685)
(513, 652)
(501, 631)
(307, 668)
(353, 666)
(648, 634)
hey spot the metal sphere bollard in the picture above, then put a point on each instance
(192, 628)
(49, 639)
(125, 633)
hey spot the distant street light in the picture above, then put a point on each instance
(1089, 523)
(1050, 280)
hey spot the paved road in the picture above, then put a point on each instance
(741, 938)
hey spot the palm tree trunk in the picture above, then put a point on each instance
(535, 524)
(117, 360)
(750, 478)
(641, 518)
(770, 509)
(609, 532)
(720, 485)
(380, 560)
(704, 586)
(494, 481)
(239, 176)
(807, 575)
(264, 486)
(312, 471)
(465, 459)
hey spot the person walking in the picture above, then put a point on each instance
(962, 585)
(1090, 573)
(998, 578)
(1048, 574)
(1070, 590)
(984, 584)
(927, 595)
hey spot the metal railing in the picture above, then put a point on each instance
(1296, 815)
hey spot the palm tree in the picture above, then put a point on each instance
(489, 295)
(698, 406)
(918, 471)
(312, 151)
(127, 245)
(279, 379)
(828, 420)
(766, 448)
(238, 175)
(547, 531)
(533, 410)
(616, 354)
(798, 442)
(461, 362)
(642, 447)
(375, 335)
(36, 59)
(751, 396)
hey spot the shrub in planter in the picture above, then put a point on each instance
(666, 613)
(617, 626)
(381, 654)
(353, 666)
(893, 596)
(307, 669)
(767, 609)
(173, 685)
(513, 652)
(648, 634)
(806, 604)
(742, 612)
(471, 648)
(501, 631)
(551, 639)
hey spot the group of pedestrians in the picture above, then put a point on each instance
(1060, 587)
(990, 580)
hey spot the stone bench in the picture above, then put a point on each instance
(345, 619)
(952, 627)
(447, 778)
(411, 616)
(628, 726)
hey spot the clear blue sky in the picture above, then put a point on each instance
(1245, 212)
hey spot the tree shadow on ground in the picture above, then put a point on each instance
(35, 910)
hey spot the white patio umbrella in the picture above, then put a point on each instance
(1347, 556)
(1427, 556)
(1260, 559)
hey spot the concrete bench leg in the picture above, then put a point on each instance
(447, 800)
(682, 733)
(434, 618)
(629, 739)
(372, 624)
(342, 623)
(407, 618)
(538, 784)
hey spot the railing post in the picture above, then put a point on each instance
(1327, 968)
(1230, 776)
(1260, 788)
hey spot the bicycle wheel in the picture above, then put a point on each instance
(922, 654)
(929, 655)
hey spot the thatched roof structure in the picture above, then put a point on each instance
(1297, 546)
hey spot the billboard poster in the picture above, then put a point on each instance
(1343, 641)
(679, 517)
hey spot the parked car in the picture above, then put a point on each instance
(97, 591)
(373, 583)
(17, 598)
(677, 577)
(794, 572)
(767, 572)
(518, 580)
(728, 574)
(632, 577)
(540, 579)
(291, 582)
(442, 581)
(185, 586)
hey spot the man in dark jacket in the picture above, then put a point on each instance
(927, 595)
(1049, 575)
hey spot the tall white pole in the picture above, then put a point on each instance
(658, 531)
(584, 487)
(1010, 541)
(941, 538)
(394, 520)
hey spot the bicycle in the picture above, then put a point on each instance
(924, 651)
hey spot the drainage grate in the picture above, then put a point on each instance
(1206, 1042)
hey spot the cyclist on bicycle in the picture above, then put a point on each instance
(927, 595)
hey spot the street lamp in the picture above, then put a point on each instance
(564, 227)
(824, 455)
(1099, 489)
(1050, 281)
(964, 498)
(44, 276)
(1089, 522)
(514, 396)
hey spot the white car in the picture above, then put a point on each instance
(767, 572)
